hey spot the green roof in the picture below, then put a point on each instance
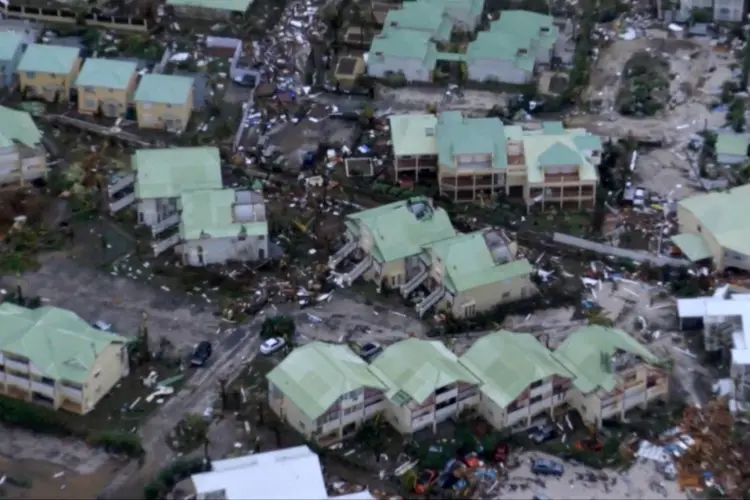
(394, 42)
(507, 363)
(472, 7)
(230, 5)
(711, 210)
(18, 126)
(499, 46)
(732, 144)
(106, 73)
(413, 134)
(9, 42)
(469, 263)
(413, 369)
(421, 16)
(584, 353)
(56, 341)
(48, 59)
(693, 246)
(316, 375)
(164, 89)
(458, 135)
(221, 213)
(403, 228)
(167, 173)
(538, 28)
(545, 150)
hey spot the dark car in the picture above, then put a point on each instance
(543, 433)
(201, 354)
(369, 350)
(547, 467)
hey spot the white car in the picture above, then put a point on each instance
(272, 345)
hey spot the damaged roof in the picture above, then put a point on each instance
(221, 213)
(507, 363)
(316, 375)
(16, 125)
(56, 341)
(167, 173)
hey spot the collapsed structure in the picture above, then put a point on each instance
(411, 246)
(22, 155)
(326, 391)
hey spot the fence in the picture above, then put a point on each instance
(657, 260)
(69, 16)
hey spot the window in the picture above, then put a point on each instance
(506, 295)
(168, 105)
(146, 105)
(90, 103)
(261, 238)
(88, 90)
(536, 384)
(31, 75)
(535, 399)
(699, 229)
(48, 381)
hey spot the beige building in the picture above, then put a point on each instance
(106, 86)
(476, 158)
(53, 358)
(411, 246)
(48, 71)
(23, 158)
(707, 232)
(164, 102)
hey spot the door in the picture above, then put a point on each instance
(111, 109)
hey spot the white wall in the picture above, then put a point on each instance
(151, 211)
(221, 250)
(481, 70)
(413, 69)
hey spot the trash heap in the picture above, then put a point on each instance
(720, 454)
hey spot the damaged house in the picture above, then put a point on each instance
(22, 155)
(412, 247)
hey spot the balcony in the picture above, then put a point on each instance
(17, 365)
(120, 184)
(165, 224)
(45, 389)
(123, 202)
(71, 393)
(20, 382)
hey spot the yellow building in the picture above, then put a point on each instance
(106, 86)
(48, 71)
(709, 232)
(164, 102)
(52, 357)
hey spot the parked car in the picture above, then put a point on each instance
(426, 479)
(270, 346)
(369, 350)
(547, 467)
(543, 433)
(102, 325)
(201, 353)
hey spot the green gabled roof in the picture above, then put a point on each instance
(559, 154)
(397, 232)
(469, 263)
(413, 134)
(472, 7)
(395, 42)
(57, 342)
(164, 89)
(584, 351)
(732, 144)
(542, 150)
(230, 5)
(507, 363)
(43, 58)
(221, 213)
(588, 142)
(18, 126)
(497, 46)
(314, 376)
(9, 43)
(421, 16)
(167, 173)
(523, 23)
(458, 135)
(106, 73)
(711, 210)
(413, 369)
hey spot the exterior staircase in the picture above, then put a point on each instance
(413, 283)
(358, 270)
(341, 254)
(429, 301)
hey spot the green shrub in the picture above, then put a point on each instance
(170, 476)
(121, 443)
(35, 418)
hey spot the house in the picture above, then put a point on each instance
(725, 319)
(425, 383)
(325, 391)
(538, 31)
(163, 175)
(465, 14)
(414, 146)
(705, 231)
(470, 274)
(422, 16)
(520, 379)
(500, 57)
(731, 149)
(11, 49)
(386, 242)
(106, 86)
(612, 373)
(210, 9)
(402, 51)
(164, 101)
(22, 155)
(221, 225)
(52, 357)
(48, 71)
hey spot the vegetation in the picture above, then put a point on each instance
(580, 73)
(645, 88)
(736, 115)
(175, 472)
(745, 75)
(120, 443)
(278, 326)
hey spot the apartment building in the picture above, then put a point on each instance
(106, 86)
(411, 246)
(210, 9)
(325, 391)
(537, 30)
(426, 384)
(475, 158)
(22, 156)
(706, 233)
(51, 357)
(421, 16)
(521, 379)
(48, 71)
(613, 373)
(164, 102)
